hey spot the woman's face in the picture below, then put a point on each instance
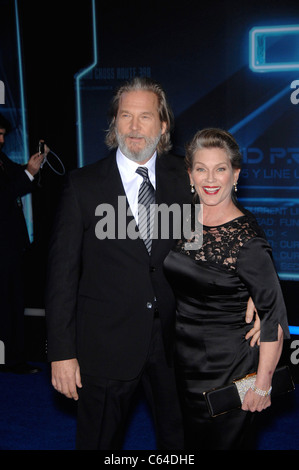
(213, 176)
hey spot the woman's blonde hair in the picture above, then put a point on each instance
(214, 138)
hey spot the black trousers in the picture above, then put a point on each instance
(12, 307)
(104, 404)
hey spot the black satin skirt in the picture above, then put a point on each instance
(211, 351)
(230, 431)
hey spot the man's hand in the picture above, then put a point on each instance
(255, 332)
(66, 377)
(35, 161)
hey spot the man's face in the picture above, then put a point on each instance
(138, 126)
(2, 137)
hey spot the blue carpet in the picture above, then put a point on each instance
(34, 417)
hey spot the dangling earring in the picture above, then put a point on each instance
(235, 186)
(192, 188)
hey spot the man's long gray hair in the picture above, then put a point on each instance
(165, 112)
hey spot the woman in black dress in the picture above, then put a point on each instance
(213, 274)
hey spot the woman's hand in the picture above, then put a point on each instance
(254, 402)
(269, 356)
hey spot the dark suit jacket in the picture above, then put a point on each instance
(101, 293)
(14, 183)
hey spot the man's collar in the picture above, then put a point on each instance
(131, 166)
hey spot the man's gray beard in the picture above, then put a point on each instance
(139, 155)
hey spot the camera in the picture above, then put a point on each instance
(41, 146)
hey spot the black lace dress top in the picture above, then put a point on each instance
(212, 284)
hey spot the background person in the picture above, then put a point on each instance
(15, 181)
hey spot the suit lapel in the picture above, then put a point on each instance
(111, 188)
(113, 192)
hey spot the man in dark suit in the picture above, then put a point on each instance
(110, 311)
(15, 181)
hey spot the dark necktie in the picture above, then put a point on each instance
(146, 197)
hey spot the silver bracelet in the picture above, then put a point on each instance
(262, 393)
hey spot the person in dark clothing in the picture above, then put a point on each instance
(15, 181)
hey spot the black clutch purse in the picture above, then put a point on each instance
(230, 397)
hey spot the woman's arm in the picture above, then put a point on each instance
(256, 269)
(268, 359)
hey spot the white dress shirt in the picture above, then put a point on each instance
(29, 175)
